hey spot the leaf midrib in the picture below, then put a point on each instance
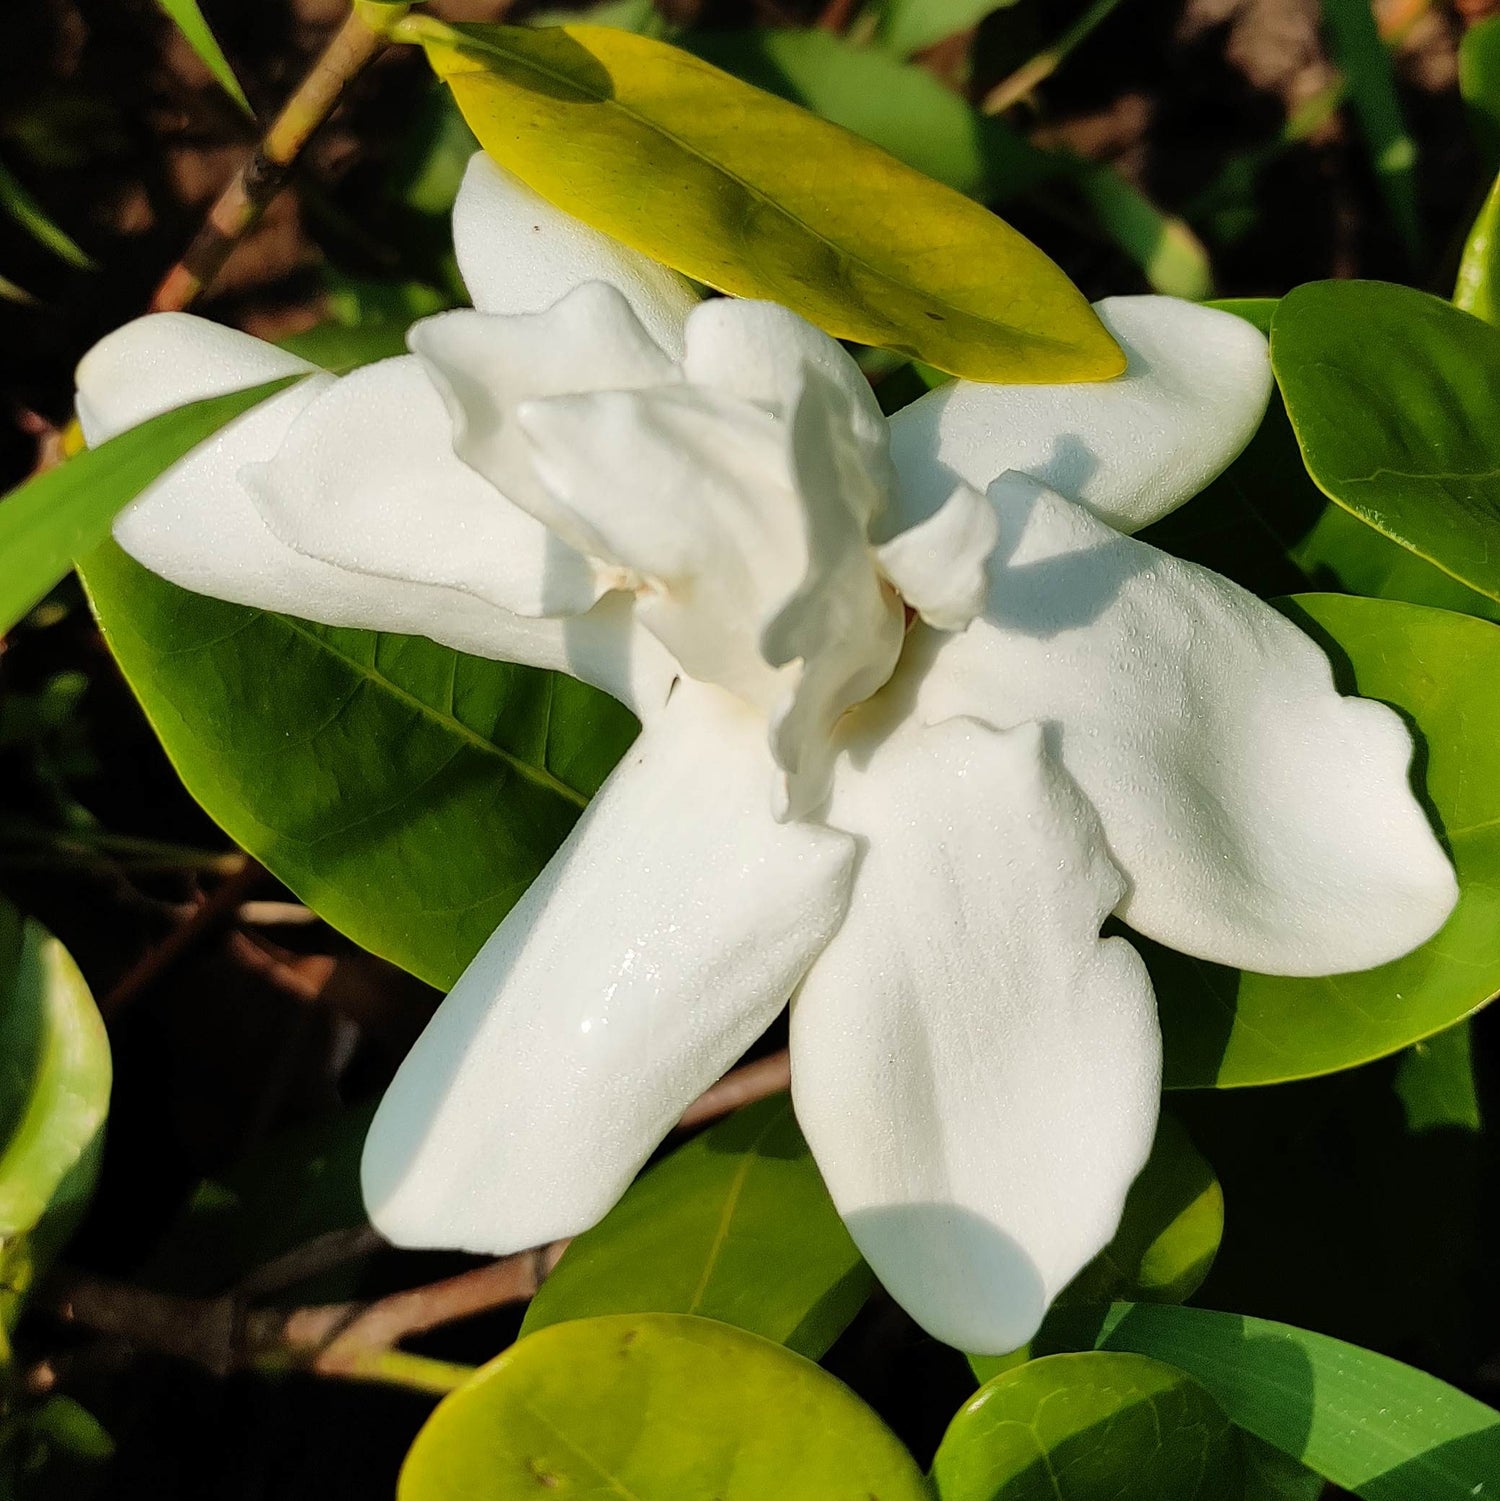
(538, 775)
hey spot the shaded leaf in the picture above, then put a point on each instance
(907, 26)
(407, 793)
(188, 18)
(756, 197)
(1228, 1027)
(735, 1226)
(1435, 1083)
(659, 1406)
(33, 218)
(1477, 287)
(1479, 82)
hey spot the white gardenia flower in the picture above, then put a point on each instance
(913, 831)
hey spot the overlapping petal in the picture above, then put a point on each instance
(662, 938)
(1131, 449)
(519, 254)
(1262, 819)
(976, 1071)
(199, 526)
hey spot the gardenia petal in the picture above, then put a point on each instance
(367, 479)
(1131, 449)
(484, 367)
(663, 937)
(1263, 820)
(755, 570)
(198, 526)
(941, 565)
(976, 1072)
(519, 254)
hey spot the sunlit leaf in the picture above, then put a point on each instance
(1392, 394)
(406, 792)
(55, 518)
(735, 1226)
(1090, 1427)
(756, 197)
(658, 1406)
(1477, 287)
(1228, 1027)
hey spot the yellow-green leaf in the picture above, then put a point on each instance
(759, 198)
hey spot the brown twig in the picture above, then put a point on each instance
(354, 47)
(766, 1076)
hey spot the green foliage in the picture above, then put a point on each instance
(1090, 1427)
(33, 218)
(907, 26)
(407, 792)
(54, 1095)
(1392, 394)
(1376, 1427)
(53, 519)
(1477, 286)
(661, 1406)
(732, 187)
(1226, 1027)
(187, 16)
(735, 1226)
(1479, 82)
(1436, 1084)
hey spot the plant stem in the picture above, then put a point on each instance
(1031, 75)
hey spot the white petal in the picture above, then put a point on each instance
(663, 937)
(1262, 819)
(485, 366)
(1131, 449)
(166, 360)
(757, 575)
(198, 526)
(519, 254)
(367, 479)
(941, 565)
(977, 1073)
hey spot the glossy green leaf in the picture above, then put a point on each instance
(735, 1226)
(907, 26)
(1435, 1083)
(406, 792)
(1370, 79)
(1227, 1027)
(656, 1406)
(188, 18)
(1477, 287)
(1089, 1427)
(1392, 394)
(20, 204)
(1385, 1431)
(55, 518)
(756, 197)
(1169, 1232)
(1479, 82)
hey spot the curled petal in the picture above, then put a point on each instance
(976, 1071)
(198, 526)
(367, 480)
(1262, 819)
(1130, 449)
(519, 254)
(484, 367)
(941, 565)
(659, 942)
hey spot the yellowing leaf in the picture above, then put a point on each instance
(759, 198)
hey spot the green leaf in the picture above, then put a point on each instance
(1371, 82)
(1477, 287)
(1089, 1427)
(188, 18)
(756, 197)
(1435, 1083)
(407, 793)
(899, 107)
(655, 1407)
(735, 1226)
(1392, 394)
(52, 520)
(1163, 245)
(1169, 1231)
(1227, 1027)
(1479, 83)
(33, 218)
(54, 1096)
(907, 26)
(1385, 1431)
